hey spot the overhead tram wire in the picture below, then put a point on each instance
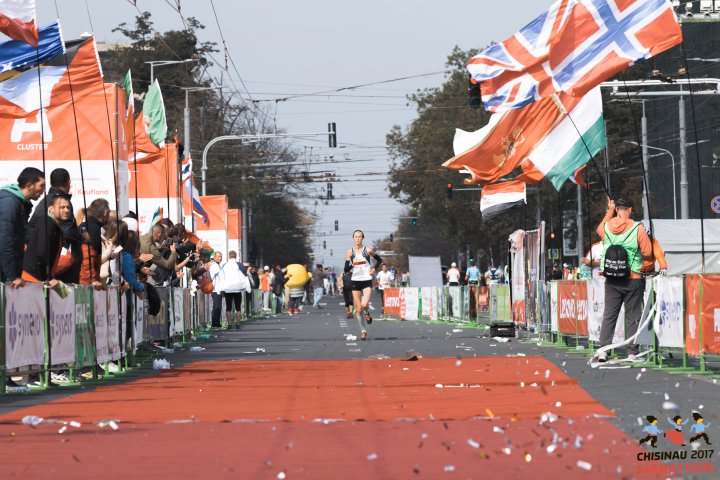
(251, 105)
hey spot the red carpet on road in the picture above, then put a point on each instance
(325, 419)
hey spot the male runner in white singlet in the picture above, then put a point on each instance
(359, 260)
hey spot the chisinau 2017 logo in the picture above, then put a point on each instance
(674, 436)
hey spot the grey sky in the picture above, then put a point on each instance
(290, 46)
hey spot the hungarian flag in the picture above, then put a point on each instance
(17, 20)
(539, 138)
(572, 47)
(19, 55)
(500, 197)
(571, 143)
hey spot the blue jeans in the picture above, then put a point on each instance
(318, 293)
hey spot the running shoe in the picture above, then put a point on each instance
(349, 315)
(602, 357)
(368, 318)
(363, 336)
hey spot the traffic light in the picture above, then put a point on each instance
(449, 191)
(474, 93)
(336, 226)
(414, 221)
(552, 234)
(391, 237)
(332, 135)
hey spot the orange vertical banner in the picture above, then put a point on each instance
(711, 313)
(692, 314)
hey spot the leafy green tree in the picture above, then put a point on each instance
(254, 174)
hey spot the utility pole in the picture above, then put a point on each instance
(684, 202)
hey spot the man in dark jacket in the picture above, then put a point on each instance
(15, 208)
(96, 215)
(45, 242)
(60, 186)
(278, 288)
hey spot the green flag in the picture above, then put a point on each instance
(154, 115)
(129, 106)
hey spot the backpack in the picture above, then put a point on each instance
(617, 264)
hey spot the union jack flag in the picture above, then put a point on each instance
(573, 46)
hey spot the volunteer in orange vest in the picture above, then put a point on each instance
(624, 284)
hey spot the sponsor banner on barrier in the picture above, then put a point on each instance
(425, 301)
(518, 277)
(139, 317)
(455, 296)
(187, 309)
(113, 322)
(554, 307)
(409, 304)
(596, 308)
(692, 314)
(176, 311)
(124, 313)
(668, 321)
(711, 314)
(391, 301)
(572, 303)
(645, 337)
(62, 328)
(100, 305)
(84, 337)
(24, 326)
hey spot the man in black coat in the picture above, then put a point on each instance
(60, 186)
(15, 208)
(45, 242)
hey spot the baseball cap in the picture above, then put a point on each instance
(624, 202)
(453, 264)
(266, 268)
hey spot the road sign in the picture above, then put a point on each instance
(715, 204)
(554, 254)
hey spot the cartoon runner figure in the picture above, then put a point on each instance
(699, 428)
(652, 430)
(675, 435)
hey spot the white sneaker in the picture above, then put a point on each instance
(601, 357)
(58, 377)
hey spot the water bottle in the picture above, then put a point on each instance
(32, 420)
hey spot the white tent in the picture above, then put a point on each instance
(681, 242)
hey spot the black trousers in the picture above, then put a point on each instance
(216, 309)
(618, 293)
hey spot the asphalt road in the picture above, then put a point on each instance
(631, 393)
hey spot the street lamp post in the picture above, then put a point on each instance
(672, 158)
(161, 63)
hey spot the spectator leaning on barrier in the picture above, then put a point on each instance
(149, 243)
(384, 279)
(625, 245)
(15, 208)
(592, 261)
(40, 263)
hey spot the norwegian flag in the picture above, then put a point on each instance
(603, 37)
(573, 47)
(516, 72)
